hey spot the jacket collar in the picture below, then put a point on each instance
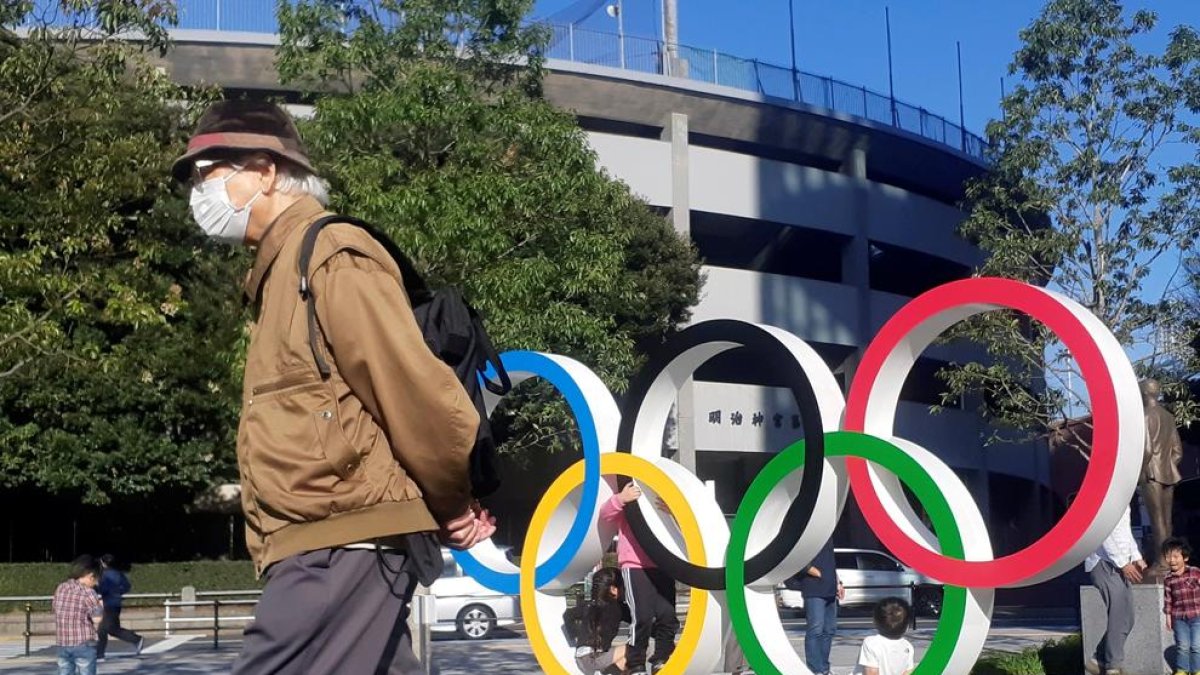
(304, 211)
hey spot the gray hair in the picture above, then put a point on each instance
(293, 180)
(290, 178)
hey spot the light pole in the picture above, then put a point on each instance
(671, 36)
(792, 32)
(618, 11)
(887, 14)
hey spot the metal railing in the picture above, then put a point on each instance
(652, 56)
(168, 600)
(649, 55)
(914, 589)
(422, 608)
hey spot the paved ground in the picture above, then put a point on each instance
(507, 653)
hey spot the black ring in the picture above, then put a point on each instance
(798, 515)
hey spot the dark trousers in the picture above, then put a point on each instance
(333, 611)
(110, 624)
(1117, 596)
(650, 594)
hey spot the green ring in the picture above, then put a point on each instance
(908, 470)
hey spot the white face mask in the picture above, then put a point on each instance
(216, 214)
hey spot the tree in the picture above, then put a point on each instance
(1088, 193)
(118, 327)
(440, 137)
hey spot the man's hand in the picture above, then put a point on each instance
(468, 529)
(841, 591)
(487, 522)
(813, 572)
(630, 493)
(1170, 624)
(1133, 572)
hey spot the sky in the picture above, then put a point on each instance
(847, 40)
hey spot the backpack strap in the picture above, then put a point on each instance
(491, 356)
(414, 283)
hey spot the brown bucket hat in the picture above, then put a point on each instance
(240, 126)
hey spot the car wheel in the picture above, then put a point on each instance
(475, 622)
(929, 602)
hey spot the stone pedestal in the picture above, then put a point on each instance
(1148, 646)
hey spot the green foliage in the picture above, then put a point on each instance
(1087, 193)
(117, 327)
(1054, 657)
(1025, 662)
(445, 145)
(1063, 656)
(205, 575)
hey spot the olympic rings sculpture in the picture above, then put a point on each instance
(792, 506)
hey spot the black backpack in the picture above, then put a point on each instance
(453, 331)
(575, 623)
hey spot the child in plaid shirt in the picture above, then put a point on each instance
(1181, 604)
(77, 610)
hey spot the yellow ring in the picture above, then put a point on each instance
(646, 472)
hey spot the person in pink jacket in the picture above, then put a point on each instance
(649, 592)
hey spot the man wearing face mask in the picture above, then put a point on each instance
(339, 472)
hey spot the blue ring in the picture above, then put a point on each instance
(541, 365)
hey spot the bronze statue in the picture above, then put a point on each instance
(1160, 466)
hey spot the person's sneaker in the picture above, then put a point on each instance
(1180, 672)
(1092, 666)
(137, 651)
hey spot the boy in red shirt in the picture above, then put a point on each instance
(77, 611)
(1181, 604)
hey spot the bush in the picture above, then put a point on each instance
(1062, 657)
(1025, 662)
(205, 575)
(1054, 657)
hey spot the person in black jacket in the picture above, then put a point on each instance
(821, 589)
(594, 624)
(113, 585)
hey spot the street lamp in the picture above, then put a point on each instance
(616, 11)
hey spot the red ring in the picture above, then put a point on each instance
(1035, 558)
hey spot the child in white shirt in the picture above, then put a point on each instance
(888, 653)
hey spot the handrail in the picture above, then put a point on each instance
(421, 606)
(912, 587)
(253, 19)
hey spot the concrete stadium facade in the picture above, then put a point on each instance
(816, 221)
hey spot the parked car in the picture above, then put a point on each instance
(465, 606)
(869, 576)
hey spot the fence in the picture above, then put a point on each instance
(210, 621)
(924, 598)
(423, 614)
(648, 55)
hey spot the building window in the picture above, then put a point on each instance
(906, 272)
(925, 386)
(771, 248)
